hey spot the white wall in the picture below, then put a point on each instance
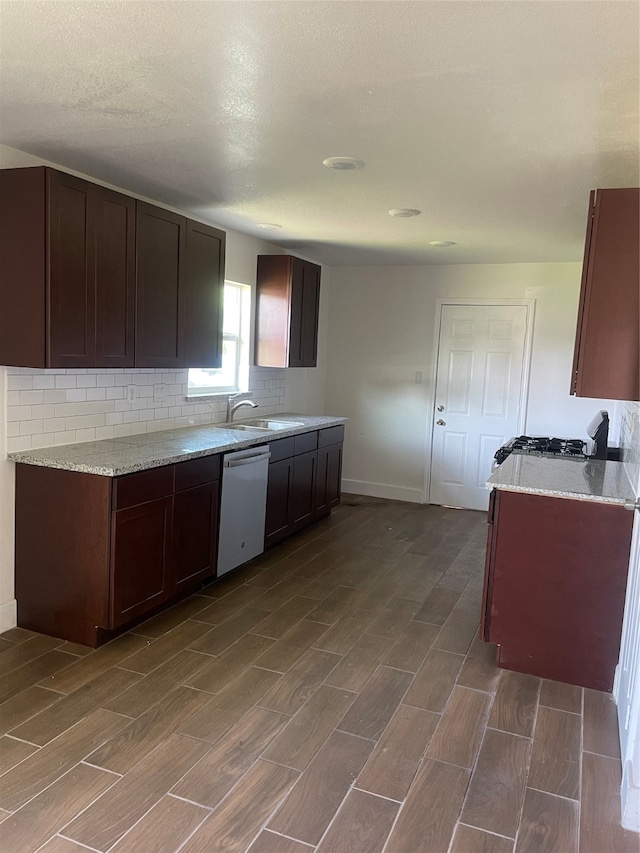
(381, 331)
(82, 405)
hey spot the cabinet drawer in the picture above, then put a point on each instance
(330, 435)
(305, 442)
(132, 489)
(197, 472)
(281, 449)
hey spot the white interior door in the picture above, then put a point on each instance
(479, 381)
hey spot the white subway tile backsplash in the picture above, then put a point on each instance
(54, 396)
(66, 406)
(66, 381)
(44, 382)
(87, 381)
(31, 427)
(106, 380)
(19, 382)
(18, 413)
(96, 394)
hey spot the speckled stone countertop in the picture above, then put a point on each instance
(592, 480)
(116, 456)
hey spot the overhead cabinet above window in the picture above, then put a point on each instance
(94, 278)
(287, 305)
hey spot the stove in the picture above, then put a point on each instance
(574, 448)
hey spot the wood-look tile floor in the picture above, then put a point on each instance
(331, 696)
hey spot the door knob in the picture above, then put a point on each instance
(441, 408)
(440, 422)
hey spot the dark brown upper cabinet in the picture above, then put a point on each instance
(67, 270)
(204, 285)
(160, 287)
(93, 278)
(287, 306)
(180, 281)
(606, 359)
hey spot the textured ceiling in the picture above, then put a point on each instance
(493, 118)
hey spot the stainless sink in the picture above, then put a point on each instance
(265, 425)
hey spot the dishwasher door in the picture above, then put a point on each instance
(242, 507)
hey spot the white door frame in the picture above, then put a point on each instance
(530, 304)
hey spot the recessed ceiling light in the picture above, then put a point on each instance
(268, 226)
(404, 212)
(343, 164)
(441, 244)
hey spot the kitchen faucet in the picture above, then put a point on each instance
(231, 410)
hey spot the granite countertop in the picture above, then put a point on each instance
(116, 456)
(591, 480)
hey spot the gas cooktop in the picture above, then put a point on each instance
(543, 446)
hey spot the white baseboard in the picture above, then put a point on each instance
(381, 490)
(8, 615)
(630, 797)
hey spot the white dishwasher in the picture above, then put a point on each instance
(242, 507)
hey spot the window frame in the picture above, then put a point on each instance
(243, 355)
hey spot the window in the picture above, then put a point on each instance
(234, 373)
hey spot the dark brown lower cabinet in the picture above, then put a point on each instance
(195, 534)
(96, 554)
(305, 485)
(141, 559)
(329, 475)
(555, 582)
(303, 489)
(278, 523)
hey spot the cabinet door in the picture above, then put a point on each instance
(195, 535)
(606, 359)
(160, 309)
(115, 268)
(71, 259)
(328, 479)
(296, 314)
(485, 615)
(279, 489)
(303, 488)
(141, 555)
(204, 284)
(310, 309)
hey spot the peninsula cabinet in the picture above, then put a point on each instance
(67, 271)
(95, 554)
(555, 582)
(607, 350)
(287, 309)
(94, 278)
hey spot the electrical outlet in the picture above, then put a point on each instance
(418, 379)
(159, 393)
(132, 393)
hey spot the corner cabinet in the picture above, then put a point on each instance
(287, 310)
(607, 351)
(554, 603)
(93, 278)
(109, 551)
